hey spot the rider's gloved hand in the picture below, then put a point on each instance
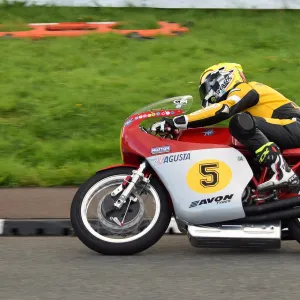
(164, 125)
(167, 124)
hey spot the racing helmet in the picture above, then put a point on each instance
(217, 81)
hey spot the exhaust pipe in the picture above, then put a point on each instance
(273, 206)
(272, 216)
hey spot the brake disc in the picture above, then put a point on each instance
(112, 219)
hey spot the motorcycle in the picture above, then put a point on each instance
(201, 177)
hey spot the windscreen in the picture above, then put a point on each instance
(183, 103)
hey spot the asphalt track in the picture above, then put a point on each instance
(63, 268)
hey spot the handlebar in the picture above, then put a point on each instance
(168, 133)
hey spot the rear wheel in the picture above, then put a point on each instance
(138, 225)
(294, 229)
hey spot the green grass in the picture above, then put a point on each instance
(64, 100)
(143, 24)
(14, 26)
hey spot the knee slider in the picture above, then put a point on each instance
(242, 125)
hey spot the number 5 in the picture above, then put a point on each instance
(209, 170)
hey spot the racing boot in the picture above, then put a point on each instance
(283, 176)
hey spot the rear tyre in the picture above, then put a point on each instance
(294, 229)
(111, 243)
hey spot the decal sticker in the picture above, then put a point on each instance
(146, 115)
(162, 149)
(218, 200)
(294, 179)
(128, 122)
(180, 102)
(227, 80)
(165, 159)
(209, 176)
(209, 132)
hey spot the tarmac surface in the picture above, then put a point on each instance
(63, 268)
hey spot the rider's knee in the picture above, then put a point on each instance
(242, 125)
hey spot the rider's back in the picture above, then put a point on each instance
(272, 104)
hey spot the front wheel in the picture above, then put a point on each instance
(134, 228)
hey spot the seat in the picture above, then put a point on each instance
(287, 152)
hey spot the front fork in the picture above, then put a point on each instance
(128, 184)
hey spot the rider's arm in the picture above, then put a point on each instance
(239, 99)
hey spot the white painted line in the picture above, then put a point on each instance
(41, 24)
(1, 226)
(101, 23)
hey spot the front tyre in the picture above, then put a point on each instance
(134, 228)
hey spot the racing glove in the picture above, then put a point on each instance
(167, 124)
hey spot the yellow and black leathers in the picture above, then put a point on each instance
(275, 117)
(256, 98)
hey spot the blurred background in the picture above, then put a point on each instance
(63, 102)
(64, 99)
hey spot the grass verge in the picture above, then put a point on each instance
(64, 100)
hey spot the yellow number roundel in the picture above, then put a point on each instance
(209, 176)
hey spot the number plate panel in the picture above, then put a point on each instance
(205, 185)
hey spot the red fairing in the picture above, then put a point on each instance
(211, 135)
(118, 165)
(137, 144)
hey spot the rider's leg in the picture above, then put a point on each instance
(255, 133)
